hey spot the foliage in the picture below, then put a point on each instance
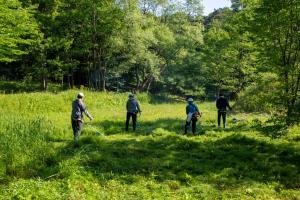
(276, 25)
(182, 73)
(228, 53)
(157, 46)
(261, 96)
(18, 30)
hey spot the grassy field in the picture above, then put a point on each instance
(38, 160)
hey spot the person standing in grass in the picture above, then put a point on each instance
(222, 104)
(78, 107)
(192, 113)
(133, 108)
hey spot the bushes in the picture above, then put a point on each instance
(9, 87)
(261, 96)
(268, 95)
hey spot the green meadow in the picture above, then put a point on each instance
(38, 159)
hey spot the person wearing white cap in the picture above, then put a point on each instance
(193, 113)
(78, 107)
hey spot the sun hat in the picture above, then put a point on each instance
(190, 99)
(80, 95)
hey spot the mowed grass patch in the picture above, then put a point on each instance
(155, 162)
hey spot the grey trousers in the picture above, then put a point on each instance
(77, 128)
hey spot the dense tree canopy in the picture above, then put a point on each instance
(18, 30)
(155, 46)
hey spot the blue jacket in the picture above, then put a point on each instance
(133, 106)
(191, 108)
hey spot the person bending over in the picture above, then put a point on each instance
(193, 113)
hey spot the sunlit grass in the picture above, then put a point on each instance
(38, 159)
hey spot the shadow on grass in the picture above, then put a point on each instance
(225, 163)
(174, 125)
(270, 128)
(111, 127)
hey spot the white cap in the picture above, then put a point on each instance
(190, 99)
(80, 94)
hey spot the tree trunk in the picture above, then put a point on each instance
(102, 70)
(44, 83)
(137, 87)
(289, 115)
(149, 84)
(102, 80)
(94, 48)
(72, 81)
(69, 81)
(291, 107)
(89, 76)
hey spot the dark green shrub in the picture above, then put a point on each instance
(261, 96)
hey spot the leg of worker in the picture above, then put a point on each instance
(187, 124)
(224, 119)
(127, 121)
(77, 127)
(219, 118)
(194, 122)
(134, 118)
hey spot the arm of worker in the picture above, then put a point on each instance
(138, 107)
(197, 109)
(86, 112)
(217, 104)
(227, 104)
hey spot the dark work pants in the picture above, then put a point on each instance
(134, 116)
(77, 128)
(223, 115)
(187, 125)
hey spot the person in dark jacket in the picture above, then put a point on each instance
(133, 108)
(192, 113)
(222, 105)
(78, 108)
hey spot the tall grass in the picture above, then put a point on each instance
(23, 144)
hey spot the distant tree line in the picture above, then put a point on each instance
(251, 51)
